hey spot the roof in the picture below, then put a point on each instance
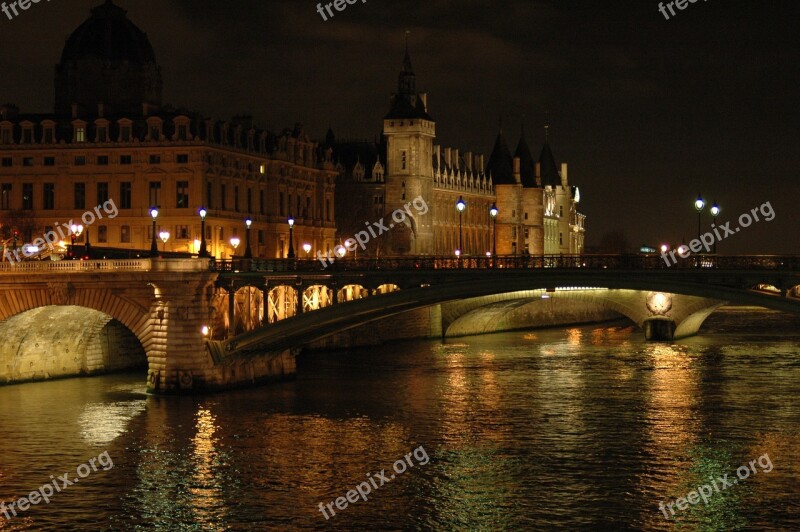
(108, 35)
(550, 174)
(501, 164)
(527, 168)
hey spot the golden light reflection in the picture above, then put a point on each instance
(205, 491)
(102, 423)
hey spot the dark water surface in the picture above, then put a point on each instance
(580, 428)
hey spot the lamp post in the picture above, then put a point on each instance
(699, 205)
(153, 244)
(494, 212)
(88, 246)
(203, 249)
(164, 236)
(74, 232)
(290, 254)
(248, 253)
(307, 249)
(715, 210)
(460, 206)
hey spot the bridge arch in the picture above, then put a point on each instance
(56, 314)
(352, 292)
(60, 341)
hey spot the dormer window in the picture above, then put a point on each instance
(6, 133)
(101, 128)
(27, 132)
(154, 128)
(48, 132)
(183, 132)
(78, 131)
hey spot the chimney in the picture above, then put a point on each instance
(517, 176)
(74, 111)
(101, 109)
(9, 111)
(468, 159)
(447, 153)
(145, 109)
(479, 162)
(437, 153)
(424, 97)
(456, 160)
(564, 180)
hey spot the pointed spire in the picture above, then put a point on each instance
(407, 67)
(527, 166)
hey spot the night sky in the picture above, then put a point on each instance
(646, 111)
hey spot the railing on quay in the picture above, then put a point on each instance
(571, 262)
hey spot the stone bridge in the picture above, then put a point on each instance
(199, 326)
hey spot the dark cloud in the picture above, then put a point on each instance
(646, 111)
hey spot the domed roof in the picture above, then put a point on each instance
(109, 35)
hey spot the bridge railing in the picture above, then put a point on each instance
(63, 266)
(590, 262)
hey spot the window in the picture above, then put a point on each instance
(49, 161)
(49, 196)
(182, 232)
(125, 195)
(560, 210)
(155, 133)
(125, 159)
(102, 134)
(561, 238)
(80, 160)
(102, 160)
(261, 205)
(27, 196)
(183, 158)
(261, 237)
(7, 162)
(526, 215)
(182, 197)
(155, 193)
(27, 161)
(155, 159)
(209, 195)
(308, 208)
(403, 160)
(281, 204)
(236, 198)
(5, 196)
(102, 193)
(27, 136)
(80, 134)
(249, 200)
(222, 196)
(328, 210)
(125, 133)
(102, 234)
(125, 234)
(49, 137)
(183, 133)
(80, 196)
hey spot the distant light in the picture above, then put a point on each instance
(205, 330)
(458, 253)
(664, 248)
(340, 251)
(488, 253)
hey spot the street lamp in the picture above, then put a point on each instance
(88, 246)
(248, 253)
(699, 205)
(235, 244)
(307, 249)
(290, 254)
(153, 244)
(715, 210)
(203, 249)
(494, 212)
(74, 232)
(164, 236)
(460, 206)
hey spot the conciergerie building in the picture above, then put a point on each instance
(111, 138)
(536, 207)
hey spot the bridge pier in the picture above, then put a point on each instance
(659, 330)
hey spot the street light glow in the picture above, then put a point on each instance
(699, 203)
(461, 204)
(154, 213)
(235, 242)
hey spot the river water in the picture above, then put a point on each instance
(581, 428)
